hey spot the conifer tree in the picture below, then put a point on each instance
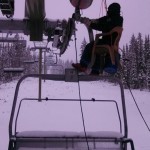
(140, 62)
(136, 62)
(83, 44)
(133, 62)
(147, 60)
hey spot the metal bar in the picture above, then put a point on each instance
(91, 35)
(13, 70)
(14, 26)
(76, 139)
(39, 47)
(62, 78)
(124, 109)
(35, 9)
(22, 25)
(67, 100)
(130, 141)
(40, 72)
(75, 100)
(45, 63)
(2, 39)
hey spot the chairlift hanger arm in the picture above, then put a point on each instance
(35, 11)
(70, 29)
(56, 58)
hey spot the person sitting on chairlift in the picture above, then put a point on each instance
(104, 24)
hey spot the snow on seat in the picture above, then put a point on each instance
(98, 134)
(13, 70)
(48, 140)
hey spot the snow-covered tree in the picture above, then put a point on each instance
(147, 60)
(136, 62)
(83, 44)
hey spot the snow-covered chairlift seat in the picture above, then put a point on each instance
(48, 140)
(13, 70)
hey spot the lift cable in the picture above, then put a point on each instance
(138, 107)
(128, 85)
(101, 9)
(103, 6)
(83, 120)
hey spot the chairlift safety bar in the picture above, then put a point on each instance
(63, 78)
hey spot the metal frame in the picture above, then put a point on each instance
(12, 137)
(13, 70)
(62, 78)
(83, 100)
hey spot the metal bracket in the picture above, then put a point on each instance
(71, 75)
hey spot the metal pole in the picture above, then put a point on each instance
(44, 63)
(40, 72)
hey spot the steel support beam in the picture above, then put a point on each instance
(22, 25)
(14, 26)
(35, 9)
(35, 12)
(49, 27)
(10, 40)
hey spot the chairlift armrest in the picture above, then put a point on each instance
(116, 29)
(130, 141)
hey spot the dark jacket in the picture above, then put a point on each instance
(106, 24)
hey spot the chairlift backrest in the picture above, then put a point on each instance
(113, 47)
(117, 30)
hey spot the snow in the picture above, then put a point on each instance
(68, 134)
(66, 116)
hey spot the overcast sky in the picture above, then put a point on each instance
(136, 15)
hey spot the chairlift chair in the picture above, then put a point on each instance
(103, 50)
(42, 140)
(13, 70)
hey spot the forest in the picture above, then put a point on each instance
(135, 61)
(16, 54)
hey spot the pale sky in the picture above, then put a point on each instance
(136, 14)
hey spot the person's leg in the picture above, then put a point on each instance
(86, 55)
(96, 66)
(109, 67)
(85, 58)
(99, 63)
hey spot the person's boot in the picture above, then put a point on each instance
(78, 67)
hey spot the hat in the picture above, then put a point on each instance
(114, 8)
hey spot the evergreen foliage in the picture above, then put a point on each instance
(13, 55)
(83, 44)
(136, 62)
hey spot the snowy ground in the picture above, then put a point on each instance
(97, 116)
